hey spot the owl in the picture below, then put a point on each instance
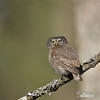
(63, 58)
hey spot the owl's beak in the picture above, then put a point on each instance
(56, 43)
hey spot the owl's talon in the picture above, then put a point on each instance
(63, 78)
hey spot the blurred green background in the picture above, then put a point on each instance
(25, 26)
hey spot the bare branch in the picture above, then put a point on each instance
(55, 84)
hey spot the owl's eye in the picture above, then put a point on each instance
(53, 41)
(59, 40)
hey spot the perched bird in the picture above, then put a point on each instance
(63, 58)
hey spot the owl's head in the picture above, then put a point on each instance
(56, 41)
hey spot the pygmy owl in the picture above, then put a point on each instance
(63, 58)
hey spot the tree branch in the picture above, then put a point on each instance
(55, 84)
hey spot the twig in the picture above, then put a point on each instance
(55, 84)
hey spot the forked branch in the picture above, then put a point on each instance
(55, 84)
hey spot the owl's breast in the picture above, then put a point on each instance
(53, 59)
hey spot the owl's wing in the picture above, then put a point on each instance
(68, 56)
(68, 67)
(68, 59)
(75, 72)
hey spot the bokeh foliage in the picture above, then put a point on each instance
(25, 28)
